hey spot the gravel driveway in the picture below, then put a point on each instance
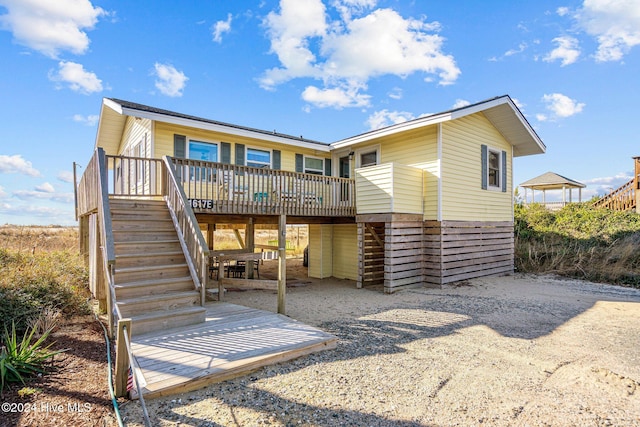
(506, 351)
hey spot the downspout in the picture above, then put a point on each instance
(439, 162)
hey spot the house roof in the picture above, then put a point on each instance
(114, 112)
(551, 181)
(500, 111)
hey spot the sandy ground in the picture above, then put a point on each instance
(517, 350)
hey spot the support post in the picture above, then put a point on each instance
(122, 357)
(249, 239)
(282, 263)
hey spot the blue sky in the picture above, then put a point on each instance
(325, 69)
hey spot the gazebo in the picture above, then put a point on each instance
(552, 181)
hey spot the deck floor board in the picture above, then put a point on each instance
(233, 340)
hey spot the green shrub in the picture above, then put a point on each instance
(23, 358)
(29, 284)
(579, 241)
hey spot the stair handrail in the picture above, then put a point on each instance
(613, 199)
(191, 237)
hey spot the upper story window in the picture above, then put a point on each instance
(206, 152)
(494, 169)
(258, 158)
(368, 156)
(314, 165)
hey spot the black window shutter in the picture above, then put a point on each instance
(299, 163)
(225, 152)
(240, 154)
(484, 155)
(504, 171)
(327, 167)
(179, 146)
(179, 151)
(277, 161)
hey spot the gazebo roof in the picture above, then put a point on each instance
(551, 181)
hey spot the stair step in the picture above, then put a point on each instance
(134, 274)
(142, 224)
(160, 320)
(149, 259)
(166, 301)
(153, 287)
(143, 235)
(135, 246)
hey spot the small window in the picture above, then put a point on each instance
(204, 152)
(314, 165)
(368, 159)
(258, 158)
(139, 172)
(493, 168)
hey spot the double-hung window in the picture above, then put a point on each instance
(206, 152)
(494, 169)
(314, 165)
(258, 158)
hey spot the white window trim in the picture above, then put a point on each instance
(246, 155)
(304, 164)
(192, 171)
(360, 151)
(498, 187)
(201, 141)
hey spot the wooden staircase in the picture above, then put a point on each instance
(153, 285)
(623, 198)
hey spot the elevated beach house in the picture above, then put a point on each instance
(420, 203)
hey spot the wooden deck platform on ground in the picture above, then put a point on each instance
(233, 341)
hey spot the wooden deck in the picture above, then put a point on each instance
(233, 341)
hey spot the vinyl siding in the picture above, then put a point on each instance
(389, 187)
(419, 149)
(320, 251)
(164, 143)
(134, 133)
(463, 198)
(345, 251)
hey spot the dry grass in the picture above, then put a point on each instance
(34, 239)
(297, 238)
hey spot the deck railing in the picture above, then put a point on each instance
(620, 199)
(134, 176)
(191, 238)
(231, 189)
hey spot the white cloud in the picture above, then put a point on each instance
(65, 176)
(49, 215)
(614, 23)
(460, 103)
(90, 120)
(560, 106)
(45, 187)
(2, 192)
(75, 76)
(335, 97)
(51, 26)
(170, 81)
(16, 164)
(346, 53)
(562, 11)
(567, 50)
(38, 194)
(396, 93)
(384, 118)
(521, 48)
(220, 28)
